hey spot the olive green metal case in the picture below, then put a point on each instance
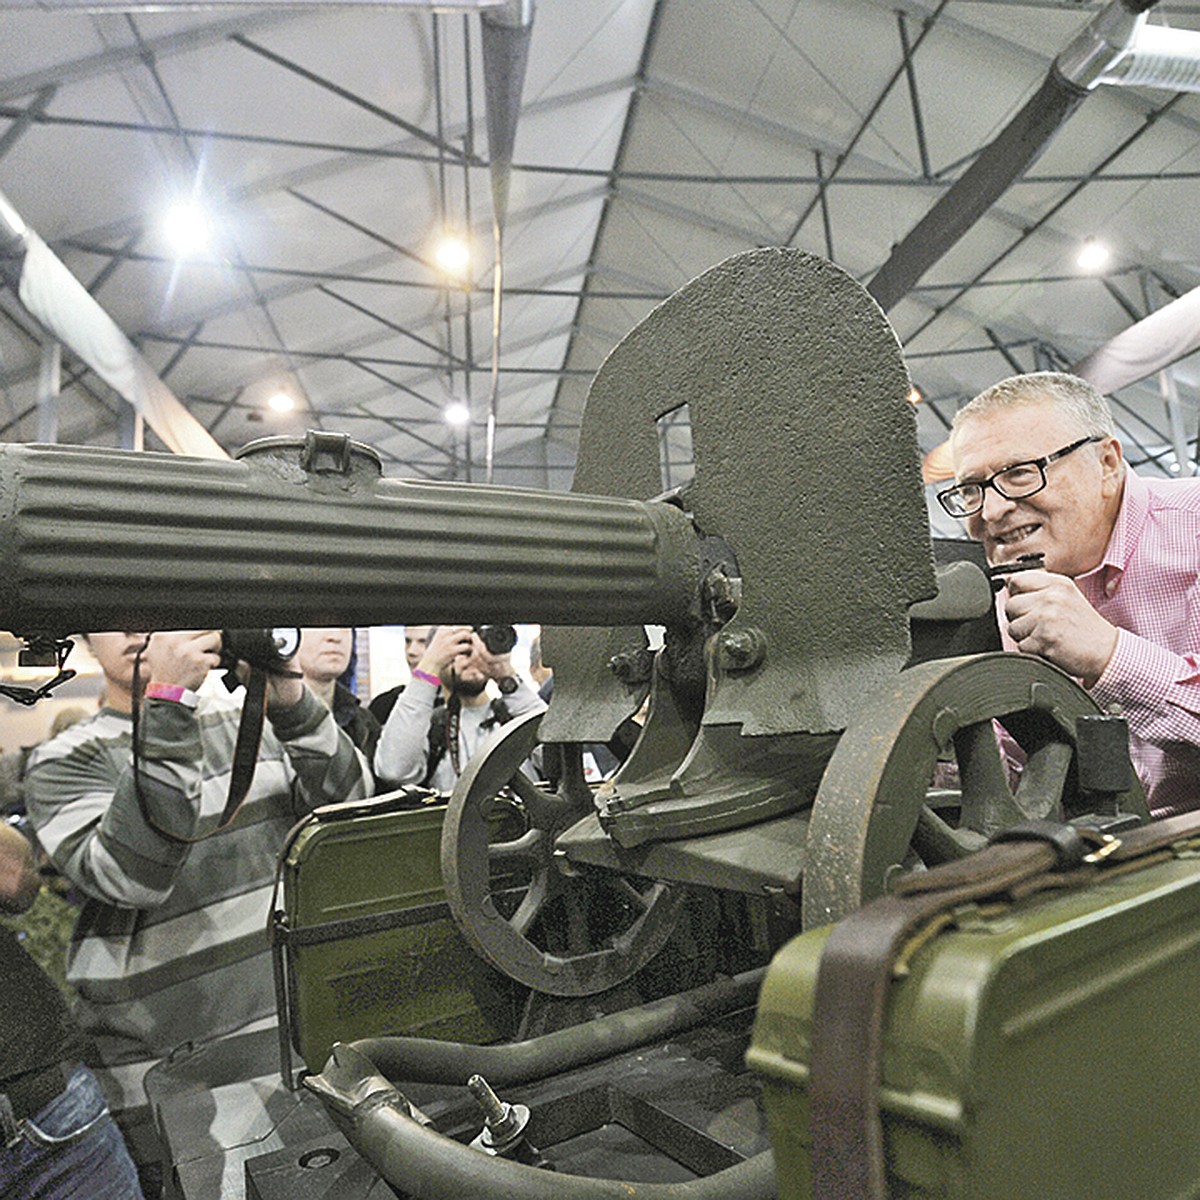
(364, 941)
(1044, 1050)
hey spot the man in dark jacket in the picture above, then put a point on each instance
(59, 1139)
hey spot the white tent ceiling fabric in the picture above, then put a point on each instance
(655, 138)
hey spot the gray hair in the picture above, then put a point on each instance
(1073, 396)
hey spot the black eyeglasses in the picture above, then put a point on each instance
(1013, 483)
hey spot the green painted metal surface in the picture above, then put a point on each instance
(103, 539)
(1038, 1050)
(422, 979)
(944, 709)
(806, 465)
(783, 574)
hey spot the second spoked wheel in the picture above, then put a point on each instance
(556, 929)
(882, 807)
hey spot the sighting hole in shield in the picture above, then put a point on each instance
(676, 459)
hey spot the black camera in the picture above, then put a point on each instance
(267, 649)
(499, 639)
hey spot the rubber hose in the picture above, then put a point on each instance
(428, 1165)
(425, 1060)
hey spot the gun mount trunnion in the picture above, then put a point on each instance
(792, 735)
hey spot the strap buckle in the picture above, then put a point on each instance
(1105, 844)
(1068, 843)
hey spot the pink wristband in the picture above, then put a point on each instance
(171, 691)
(425, 675)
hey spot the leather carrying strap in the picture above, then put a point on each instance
(859, 958)
(28, 1094)
(241, 771)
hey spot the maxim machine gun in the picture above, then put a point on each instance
(800, 706)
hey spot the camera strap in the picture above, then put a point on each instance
(452, 725)
(245, 753)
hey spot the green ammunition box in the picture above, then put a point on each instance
(1042, 1050)
(365, 943)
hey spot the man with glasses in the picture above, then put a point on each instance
(1116, 602)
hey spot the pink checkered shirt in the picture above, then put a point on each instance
(1148, 586)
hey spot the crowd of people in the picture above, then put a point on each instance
(169, 840)
(170, 843)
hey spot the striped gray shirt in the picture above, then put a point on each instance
(170, 945)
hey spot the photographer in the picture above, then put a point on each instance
(431, 745)
(170, 945)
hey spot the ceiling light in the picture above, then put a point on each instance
(914, 396)
(452, 254)
(186, 227)
(281, 402)
(457, 413)
(1093, 255)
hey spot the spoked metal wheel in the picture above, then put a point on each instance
(558, 931)
(878, 810)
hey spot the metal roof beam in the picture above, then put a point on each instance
(885, 176)
(117, 58)
(308, 281)
(865, 123)
(305, 283)
(914, 97)
(1037, 62)
(395, 150)
(348, 273)
(753, 237)
(1031, 229)
(342, 356)
(393, 386)
(25, 119)
(452, 360)
(350, 97)
(365, 230)
(787, 134)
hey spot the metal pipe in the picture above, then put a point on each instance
(395, 1139)
(1101, 44)
(424, 1060)
(1161, 58)
(419, 1162)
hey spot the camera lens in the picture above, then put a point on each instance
(287, 642)
(265, 648)
(499, 639)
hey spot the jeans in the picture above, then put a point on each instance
(70, 1150)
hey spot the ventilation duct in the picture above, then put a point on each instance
(1098, 51)
(1160, 58)
(1104, 42)
(63, 306)
(505, 32)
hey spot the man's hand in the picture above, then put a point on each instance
(445, 646)
(285, 690)
(497, 666)
(1049, 616)
(183, 659)
(19, 879)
